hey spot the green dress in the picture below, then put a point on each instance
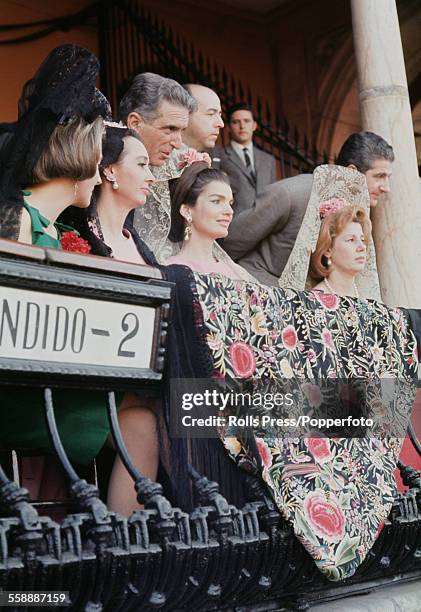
(81, 415)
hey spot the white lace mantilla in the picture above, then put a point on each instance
(329, 182)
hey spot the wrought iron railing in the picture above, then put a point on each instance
(133, 41)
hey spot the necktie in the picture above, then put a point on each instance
(248, 163)
(247, 158)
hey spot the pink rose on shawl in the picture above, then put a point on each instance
(325, 515)
(264, 452)
(191, 156)
(254, 299)
(313, 394)
(289, 337)
(327, 339)
(328, 300)
(242, 358)
(414, 359)
(319, 448)
(311, 355)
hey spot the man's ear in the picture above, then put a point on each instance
(135, 121)
(254, 126)
(353, 167)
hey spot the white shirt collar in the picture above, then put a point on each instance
(239, 149)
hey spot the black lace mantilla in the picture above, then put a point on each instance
(63, 88)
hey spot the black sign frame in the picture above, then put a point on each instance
(45, 270)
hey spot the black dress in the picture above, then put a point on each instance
(87, 224)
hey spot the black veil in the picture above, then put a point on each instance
(62, 89)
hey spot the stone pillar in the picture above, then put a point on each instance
(385, 109)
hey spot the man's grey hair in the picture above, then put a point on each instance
(148, 91)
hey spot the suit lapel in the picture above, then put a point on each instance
(258, 161)
(235, 158)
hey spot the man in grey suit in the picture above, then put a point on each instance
(250, 169)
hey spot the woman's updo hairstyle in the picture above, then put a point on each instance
(113, 144)
(112, 152)
(72, 152)
(187, 189)
(332, 226)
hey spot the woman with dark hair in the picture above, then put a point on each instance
(277, 341)
(126, 180)
(201, 212)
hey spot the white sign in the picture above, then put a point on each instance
(66, 329)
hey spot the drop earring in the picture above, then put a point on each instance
(188, 228)
(112, 180)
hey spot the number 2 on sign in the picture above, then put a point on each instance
(129, 324)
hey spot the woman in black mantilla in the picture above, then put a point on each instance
(53, 150)
(49, 156)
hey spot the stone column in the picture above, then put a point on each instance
(385, 109)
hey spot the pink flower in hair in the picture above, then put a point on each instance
(191, 156)
(328, 207)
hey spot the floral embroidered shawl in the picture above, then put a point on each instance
(335, 491)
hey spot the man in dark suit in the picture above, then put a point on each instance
(250, 169)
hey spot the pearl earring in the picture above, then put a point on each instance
(112, 180)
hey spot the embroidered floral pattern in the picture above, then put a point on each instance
(336, 492)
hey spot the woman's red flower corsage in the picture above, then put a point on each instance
(70, 241)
